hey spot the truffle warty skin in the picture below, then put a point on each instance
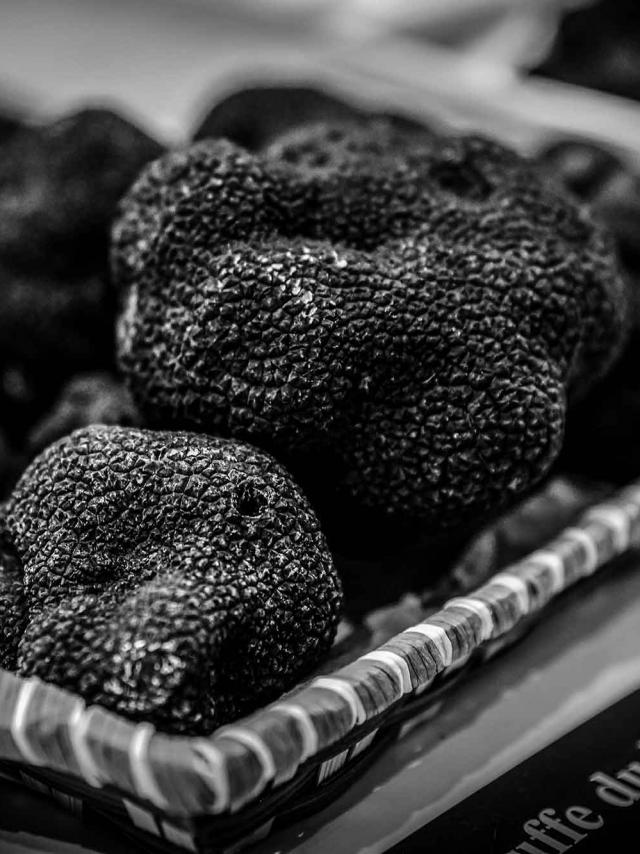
(173, 578)
(399, 317)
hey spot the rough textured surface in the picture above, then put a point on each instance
(12, 604)
(602, 437)
(252, 117)
(397, 316)
(172, 577)
(59, 185)
(86, 399)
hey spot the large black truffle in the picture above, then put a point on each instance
(398, 316)
(59, 186)
(171, 577)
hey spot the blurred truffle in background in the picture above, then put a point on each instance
(255, 115)
(598, 46)
(86, 399)
(59, 187)
(10, 123)
(603, 430)
(599, 177)
(397, 316)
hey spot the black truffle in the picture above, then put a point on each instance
(398, 317)
(598, 46)
(10, 123)
(602, 430)
(59, 185)
(86, 399)
(252, 117)
(49, 329)
(12, 463)
(601, 178)
(12, 603)
(171, 577)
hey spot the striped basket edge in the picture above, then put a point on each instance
(44, 726)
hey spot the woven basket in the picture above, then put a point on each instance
(290, 758)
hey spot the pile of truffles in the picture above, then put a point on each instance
(236, 373)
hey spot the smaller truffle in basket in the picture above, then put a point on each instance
(170, 577)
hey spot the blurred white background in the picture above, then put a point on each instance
(166, 60)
